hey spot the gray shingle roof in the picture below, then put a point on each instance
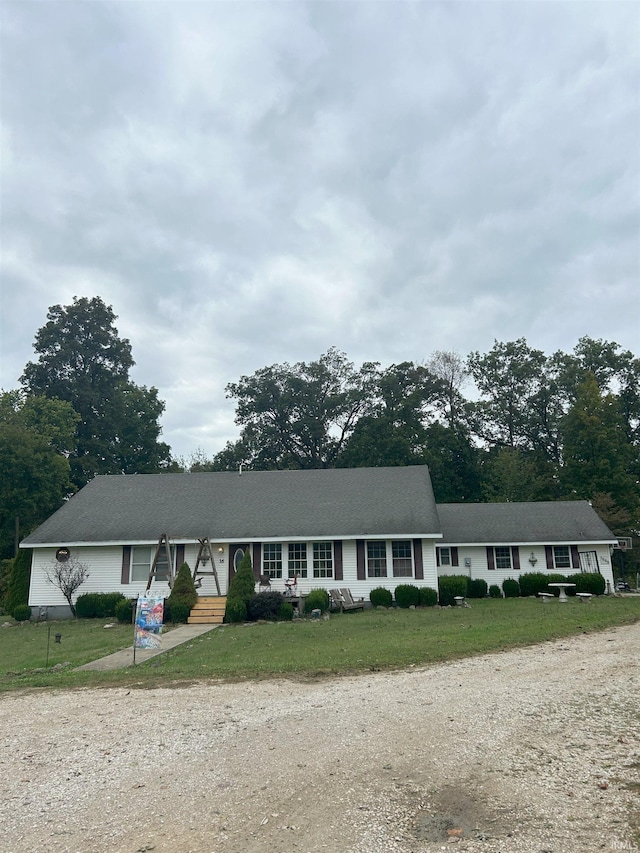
(252, 506)
(543, 521)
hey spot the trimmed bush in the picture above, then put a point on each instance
(318, 599)
(176, 611)
(285, 612)
(495, 591)
(450, 587)
(264, 605)
(97, 605)
(241, 589)
(381, 597)
(184, 589)
(407, 595)
(531, 583)
(236, 611)
(243, 584)
(428, 597)
(125, 610)
(476, 588)
(22, 613)
(592, 582)
(511, 588)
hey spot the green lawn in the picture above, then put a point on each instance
(349, 643)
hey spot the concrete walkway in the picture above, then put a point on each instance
(123, 658)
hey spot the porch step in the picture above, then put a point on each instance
(208, 610)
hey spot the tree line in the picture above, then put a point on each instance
(513, 424)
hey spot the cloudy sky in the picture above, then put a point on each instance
(248, 183)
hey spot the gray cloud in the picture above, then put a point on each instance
(252, 183)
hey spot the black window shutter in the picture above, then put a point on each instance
(437, 556)
(125, 575)
(337, 560)
(548, 552)
(515, 557)
(360, 559)
(454, 556)
(257, 559)
(575, 557)
(417, 559)
(491, 563)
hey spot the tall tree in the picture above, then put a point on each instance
(301, 415)
(510, 377)
(83, 361)
(36, 436)
(597, 458)
(451, 372)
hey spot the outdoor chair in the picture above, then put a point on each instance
(264, 583)
(335, 599)
(349, 602)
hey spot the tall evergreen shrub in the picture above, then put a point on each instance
(241, 589)
(18, 588)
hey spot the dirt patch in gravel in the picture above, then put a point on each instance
(535, 750)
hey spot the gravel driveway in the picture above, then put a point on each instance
(524, 751)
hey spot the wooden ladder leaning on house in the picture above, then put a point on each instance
(205, 555)
(168, 573)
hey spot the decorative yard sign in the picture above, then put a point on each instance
(148, 624)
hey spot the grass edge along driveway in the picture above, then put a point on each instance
(344, 644)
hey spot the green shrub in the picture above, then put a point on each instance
(495, 591)
(381, 597)
(97, 605)
(22, 613)
(236, 611)
(476, 588)
(428, 597)
(555, 578)
(531, 583)
(592, 582)
(264, 605)
(451, 586)
(285, 612)
(318, 599)
(407, 595)
(184, 589)
(18, 585)
(6, 567)
(176, 611)
(511, 588)
(125, 610)
(243, 584)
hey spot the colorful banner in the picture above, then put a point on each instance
(148, 625)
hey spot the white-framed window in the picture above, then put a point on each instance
(503, 557)
(402, 557)
(322, 560)
(272, 559)
(561, 557)
(141, 559)
(377, 559)
(297, 563)
(445, 556)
